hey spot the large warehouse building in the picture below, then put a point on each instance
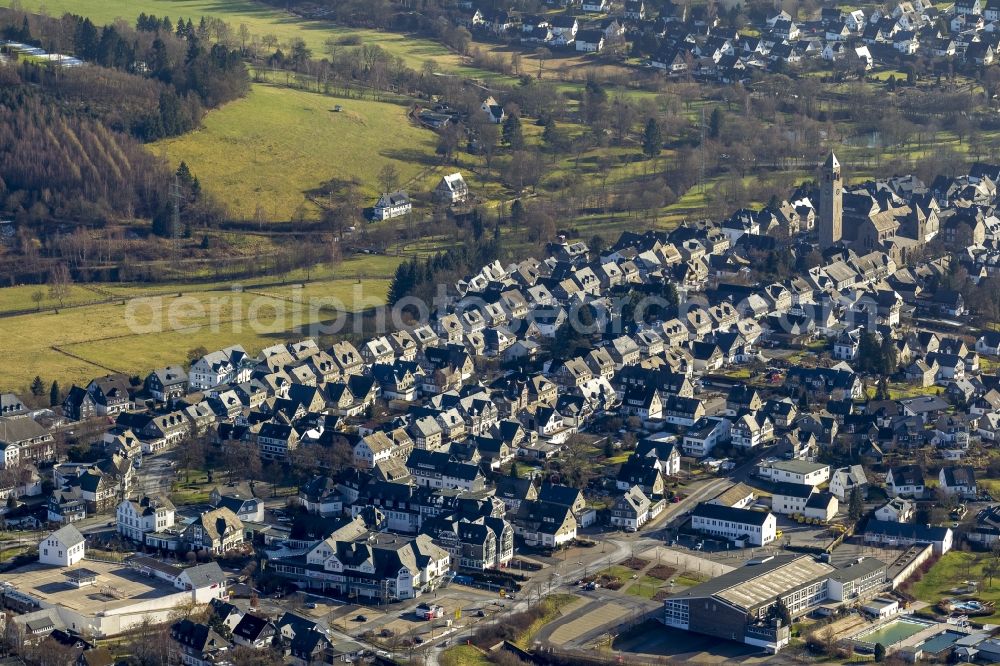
(737, 606)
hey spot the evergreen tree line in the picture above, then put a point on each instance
(195, 74)
(195, 208)
(420, 277)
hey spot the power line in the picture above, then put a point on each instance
(175, 215)
(702, 179)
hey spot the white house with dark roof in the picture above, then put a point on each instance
(958, 480)
(165, 384)
(493, 110)
(905, 480)
(392, 204)
(633, 510)
(752, 528)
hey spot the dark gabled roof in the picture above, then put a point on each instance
(223, 609)
(237, 504)
(77, 396)
(558, 494)
(717, 512)
(800, 490)
(172, 375)
(297, 622)
(197, 636)
(963, 475)
(397, 198)
(639, 470)
(820, 500)
(441, 463)
(907, 475)
(306, 642)
(546, 514)
(511, 488)
(251, 627)
(563, 21)
(589, 36)
(918, 532)
(277, 431)
(676, 403)
(742, 394)
(662, 449)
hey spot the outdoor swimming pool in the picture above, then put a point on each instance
(941, 642)
(893, 632)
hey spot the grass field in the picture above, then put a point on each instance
(77, 344)
(646, 587)
(952, 570)
(276, 144)
(16, 299)
(464, 655)
(260, 19)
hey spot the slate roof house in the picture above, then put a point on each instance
(906, 480)
(218, 531)
(958, 480)
(196, 644)
(391, 205)
(545, 524)
(452, 189)
(166, 384)
(375, 566)
(110, 394)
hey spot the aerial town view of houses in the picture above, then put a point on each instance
(696, 458)
(467, 333)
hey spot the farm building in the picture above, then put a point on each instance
(391, 204)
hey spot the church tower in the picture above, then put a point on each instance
(831, 205)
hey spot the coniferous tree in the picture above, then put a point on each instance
(780, 611)
(882, 390)
(652, 139)
(715, 123)
(512, 135)
(856, 505)
(55, 396)
(516, 214)
(37, 387)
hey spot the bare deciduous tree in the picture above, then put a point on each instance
(60, 282)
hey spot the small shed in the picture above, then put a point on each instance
(881, 608)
